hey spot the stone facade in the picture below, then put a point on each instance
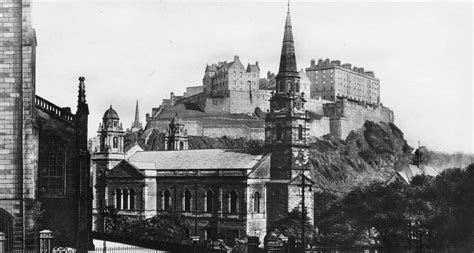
(36, 136)
(331, 80)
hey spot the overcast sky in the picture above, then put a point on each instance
(127, 50)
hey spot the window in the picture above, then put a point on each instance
(300, 132)
(209, 201)
(52, 167)
(181, 145)
(118, 199)
(115, 142)
(166, 199)
(256, 202)
(187, 201)
(233, 205)
(132, 199)
(278, 131)
(125, 199)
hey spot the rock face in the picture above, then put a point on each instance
(368, 154)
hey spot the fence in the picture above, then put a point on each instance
(126, 249)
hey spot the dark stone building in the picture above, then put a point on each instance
(44, 162)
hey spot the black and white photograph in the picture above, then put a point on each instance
(238, 126)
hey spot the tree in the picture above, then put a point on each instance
(290, 225)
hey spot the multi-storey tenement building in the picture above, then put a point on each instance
(330, 80)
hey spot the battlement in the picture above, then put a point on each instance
(45, 105)
(328, 64)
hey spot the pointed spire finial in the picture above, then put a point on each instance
(288, 5)
(81, 97)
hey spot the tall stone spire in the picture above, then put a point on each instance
(137, 114)
(136, 125)
(288, 60)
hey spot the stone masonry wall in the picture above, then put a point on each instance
(18, 138)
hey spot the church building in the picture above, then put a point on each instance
(221, 193)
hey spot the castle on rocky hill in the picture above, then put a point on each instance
(233, 100)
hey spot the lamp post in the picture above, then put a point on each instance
(303, 186)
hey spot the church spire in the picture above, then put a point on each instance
(288, 60)
(137, 115)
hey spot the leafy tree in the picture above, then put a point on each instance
(290, 225)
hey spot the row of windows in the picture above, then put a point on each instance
(125, 199)
(209, 200)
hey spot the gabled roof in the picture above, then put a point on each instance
(407, 173)
(194, 159)
(125, 170)
(253, 68)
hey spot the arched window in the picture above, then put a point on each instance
(282, 88)
(166, 200)
(278, 131)
(115, 142)
(187, 201)
(118, 199)
(300, 132)
(52, 166)
(181, 145)
(125, 199)
(297, 87)
(233, 205)
(256, 202)
(6, 226)
(209, 201)
(132, 199)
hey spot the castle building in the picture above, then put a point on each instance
(44, 161)
(136, 125)
(220, 193)
(332, 81)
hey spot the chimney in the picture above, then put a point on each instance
(320, 62)
(346, 66)
(256, 63)
(313, 63)
(236, 58)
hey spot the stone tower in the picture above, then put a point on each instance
(110, 153)
(18, 136)
(177, 137)
(286, 133)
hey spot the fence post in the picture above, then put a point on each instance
(45, 241)
(3, 242)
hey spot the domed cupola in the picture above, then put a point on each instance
(111, 133)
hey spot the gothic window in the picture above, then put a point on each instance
(233, 199)
(118, 199)
(256, 202)
(187, 201)
(300, 132)
(278, 131)
(166, 199)
(132, 199)
(209, 201)
(125, 199)
(115, 142)
(52, 167)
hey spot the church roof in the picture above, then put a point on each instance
(194, 159)
(110, 114)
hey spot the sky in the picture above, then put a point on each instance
(143, 50)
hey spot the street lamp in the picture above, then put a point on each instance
(303, 186)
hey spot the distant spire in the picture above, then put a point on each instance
(288, 6)
(137, 114)
(81, 97)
